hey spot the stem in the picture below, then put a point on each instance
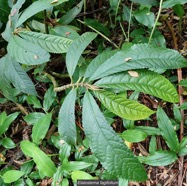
(51, 78)
(156, 21)
(102, 35)
(45, 22)
(129, 26)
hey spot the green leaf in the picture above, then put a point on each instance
(81, 175)
(33, 100)
(36, 7)
(125, 108)
(140, 56)
(5, 85)
(107, 146)
(13, 18)
(146, 81)
(5, 121)
(146, 2)
(133, 135)
(76, 49)
(75, 165)
(171, 3)
(66, 118)
(12, 176)
(97, 62)
(7, 143)
(183, 147)
(5, 9)
(152, 145)
(49, 98)
(71, 14)
(40, 128)
(149, 130)
(26, 52)
(33, 117)
(183, 106)
(145, 17)
(167, 130)
(159, 158)
(183, 83)
(43, 162)
(19, 78)
(51, 43)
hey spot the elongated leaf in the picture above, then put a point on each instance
(171, 3)
(43, 162)
(66, 118)
(12, 176)
(98, 61)
(140, 56)
(75, 165)
(167, 130)
(26, 52)
(36, 7)
(13, 18)
(147, 81)
(76, 49)
(125, 108)
(71, 14)
(159, 158)
(149, 130)
(107, 146)
(51, 43)
(19, 78)
(183, 147)
(146, 2)
(40, 128)
(133, 135)
(33, 117)
(5, 85)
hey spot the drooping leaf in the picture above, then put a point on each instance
(125, 108)
(19, 78)
(97, 62)
(133, 135)
(51, 43)
(13, 18)
(76, 49)
(44, 164)
(146, 81)
(167, 130)
(107, 146)
(159, 158)
(183, 147)
(66, 118)
(171, 3)
(36, 7)
(71, 14)
(26, 52)
(5, 85)
(140, 56)
(40, 128)
(146, 2)
(12, 176)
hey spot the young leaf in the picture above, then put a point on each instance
(71, 14)
(12, 176)
(26, 52)
(51, 43)
(36, 7)
(147, 82)
(141, 56)
(66, 118)
(107, 146)
(98, 61)
(167, 130)
(125, 108)
(76, 49)
(133, 135)
(19, 78)
(159, 158)
(40, 128)
(43, 162)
